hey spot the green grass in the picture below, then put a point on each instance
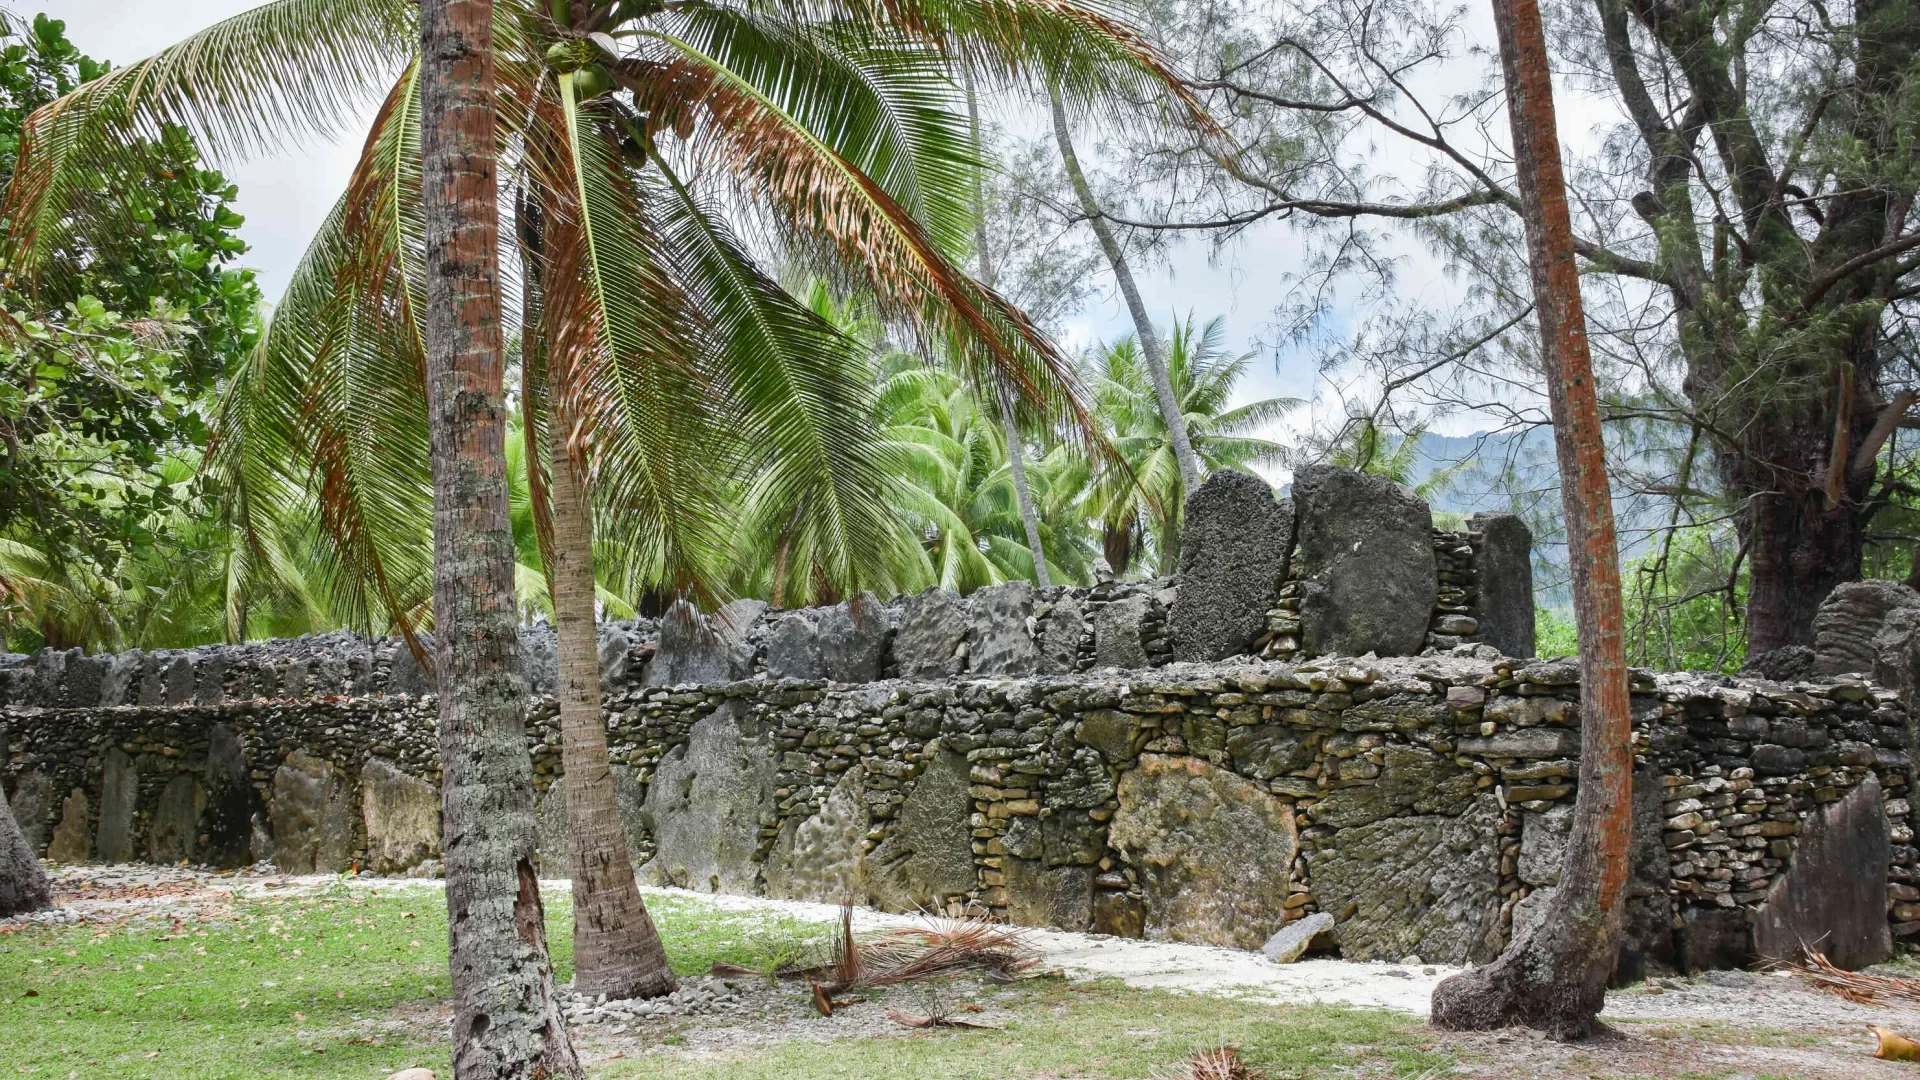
(307, 987)
(285, 986)
(1082, 1029)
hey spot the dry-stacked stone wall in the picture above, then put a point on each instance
(1422, 803)
(1156, 758)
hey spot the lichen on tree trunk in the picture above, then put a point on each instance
(506, 1023)
(1555, 978)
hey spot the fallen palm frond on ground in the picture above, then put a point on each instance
(1222, 1063)
(936, 1020)
(905, 954)
(1855, 986)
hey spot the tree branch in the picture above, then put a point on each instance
(1883, 427)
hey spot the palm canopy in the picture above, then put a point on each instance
(1145, 502)
(660, 153)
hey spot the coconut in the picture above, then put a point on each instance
(591, 82)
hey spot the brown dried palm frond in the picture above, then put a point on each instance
(1220, 1063)
(907, 954)
(1855, 986)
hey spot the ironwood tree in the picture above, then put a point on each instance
(1745, 229)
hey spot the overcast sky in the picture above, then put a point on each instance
(285, 197)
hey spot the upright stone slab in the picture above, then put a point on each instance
(404, 673)
(927, 645)
(85, 681)
(1233, 557)
(1039, 894)
(209, 676)
(1060, 639)
(174, 833)
(121, 683)
(1213, 851)
(70, 842)
(853, 639)
(615, 651)
(793, 648)
(176, 680)
(1543, 844)
(927, 854)
(49, 673)
(1365, 564)
(232, 802)
(1850, 618)
(312, 817)
(540, 660)
(1001, 643)
(402, 816)
(705, 806)
(119, 798)
(1834, 893)
(1503, 561)
(1117, 641)
(32, 805)
(1427, 884)
(704, 649)
(821, 858)
(1647, 939)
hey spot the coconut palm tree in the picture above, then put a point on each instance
(665, 363)
(1142, 505)
(957, 488)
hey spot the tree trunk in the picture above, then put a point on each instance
(506, 1023)
(1016, 450)
(1556, 977)
(1029, 514)
(24, 885)
(1798, 546)
(616, 950)
(1150, 345)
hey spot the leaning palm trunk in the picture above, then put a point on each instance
(1151, 346)
(1023, 491)
(1556, 977)
(1009, 424)
(506, 1023)
(23, 881)
(616, 950)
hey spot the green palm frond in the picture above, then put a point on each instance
(329, 416)
(623, 363)
(820, 192)
(800, 390)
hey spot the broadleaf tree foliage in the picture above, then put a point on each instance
(108, 360)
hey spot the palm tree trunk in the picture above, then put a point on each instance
(616, 950)
(506, 1023)
(1150, 345)
(23, 881)
(1016, 449)
(1556, 978)
(1029, 514)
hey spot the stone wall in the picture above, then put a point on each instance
(1111, 758)
(1357, 569)
(1422, 802)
